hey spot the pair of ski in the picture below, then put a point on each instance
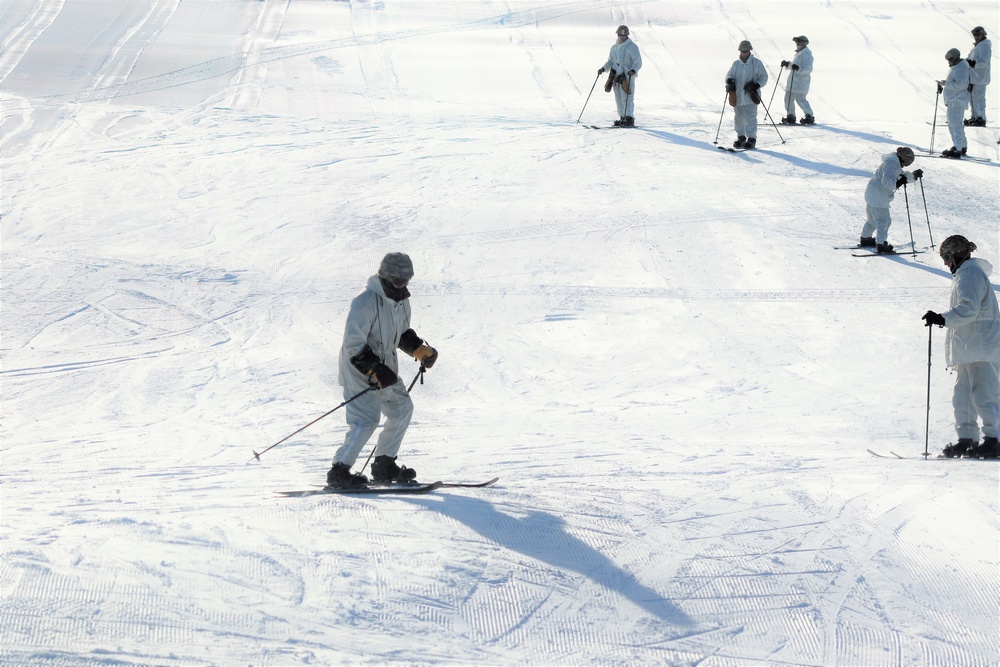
(735, 150)
(405, 488)
(871, 252)
(964, 158)
(936, 457)
(611, 127)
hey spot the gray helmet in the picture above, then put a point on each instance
(801, 38)
(745, 45)
(622, 29)
(957, 246)
(905, 155)
(396, 268)
(979, 30)
(953, 55)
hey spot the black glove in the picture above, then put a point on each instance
(918, 173)
(751, 85)
(940, 89)
(785, 63)
(901, 181)
(972, 64)
(795, 68)
(383, 376)
(730, 85)
(631, 72)
(417, 348)
(930, 317)
(368, 363)
(600, 71)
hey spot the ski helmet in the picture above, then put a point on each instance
(953, 55)
(979, 30)
(801, 38)
(745, 45)
(396, 268)
(905, 155)
(622, 30)
(955, 250)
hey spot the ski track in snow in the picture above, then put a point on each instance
(653, 345)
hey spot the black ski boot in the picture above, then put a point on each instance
(384, 469)
(750, 143)
(620, 122)
(867, 242)
(953, 153)
(978, 121)
(990, 449)
(628, 121)
(341, 477)
(884, 249)
(808, 120)
(788, 120)
(959, 449)
(740, 142)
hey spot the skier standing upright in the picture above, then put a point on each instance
(956, 99)
(624, 63)
(377, 324)
(972, 348)
(880, 191)
(798, 82)
(744, 80)
(979, 59)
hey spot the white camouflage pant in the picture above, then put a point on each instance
(877, 223)
(746, 120)
(977, 396)
(363, 416)
(791, 99)
(979, 100)
(956, 114)
(625, 101)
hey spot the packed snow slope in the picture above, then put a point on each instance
(652, 342)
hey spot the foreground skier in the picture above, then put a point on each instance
(972, 348)
(378, 323)
(881, 190)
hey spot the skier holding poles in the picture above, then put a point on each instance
(798, 82)
(624, 63)
(956, 98)
(377, 324)
(979, 58)
(881, 190)
(744, 80)
(972, 348)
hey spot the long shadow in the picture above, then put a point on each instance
(543, 537)
(821, 167)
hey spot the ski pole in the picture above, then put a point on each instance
(913, 244)
(929, 233)
(588, 98)
(420, 376)
(773, 92)
(934, 124)
(721, 116)
(767, 114)
(257, 456)
(927, 426)
(629, 96)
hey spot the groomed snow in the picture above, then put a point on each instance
(652, 343)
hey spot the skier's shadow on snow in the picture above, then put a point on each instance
(543, 537)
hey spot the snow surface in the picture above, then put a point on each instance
(652, 343)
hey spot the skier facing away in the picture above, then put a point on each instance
(956, 98)
(798, 82)
(624, 63)
(378, 324)
(744, 80)
(972, 348)
(979, 59)
(880, 191)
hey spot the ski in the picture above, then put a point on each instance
(733, 150)
(611, 127)
(964, 158)
(858, 246)
(406, 485)
(889, 254)
(469, 485)
(883, 456)
(401, 489)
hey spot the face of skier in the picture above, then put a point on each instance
(949, 261)
(622, 36)
(979, 35)
(799, 45)
(744, 55)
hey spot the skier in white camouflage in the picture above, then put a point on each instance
(972, 348)
(880, 191)
(979, 58)
(624, 63)
(956, 99)
(744, 80)
(377, 324)
(801, 67)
